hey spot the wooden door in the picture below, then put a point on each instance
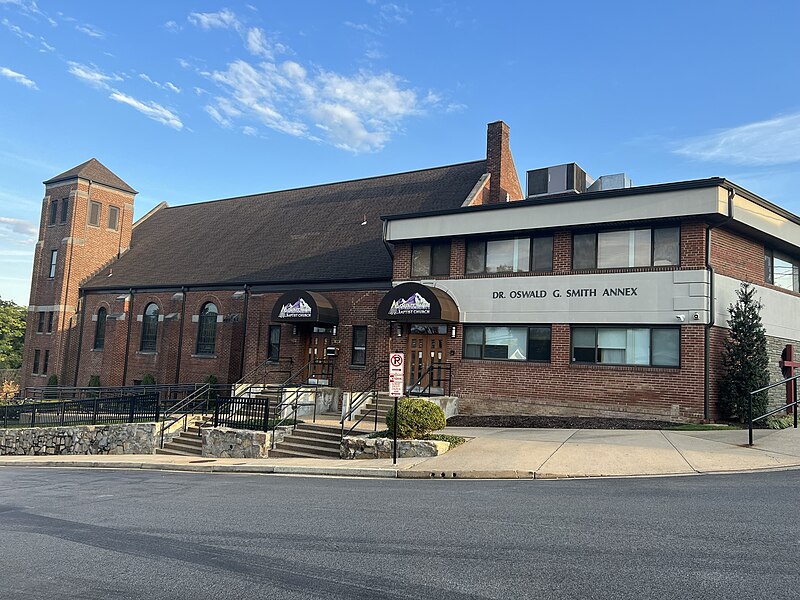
(425, 350)
(318, 361)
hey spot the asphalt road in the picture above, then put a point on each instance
(136, 534)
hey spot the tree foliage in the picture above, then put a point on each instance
(745, 362)
(12, 334)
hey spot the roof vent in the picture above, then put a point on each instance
(560, 179)
(617, 181)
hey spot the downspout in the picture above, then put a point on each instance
(244, 330)
(711, 307)
(128, 337)
(82, 308)
(180, 337)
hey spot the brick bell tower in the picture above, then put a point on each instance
(86, 222)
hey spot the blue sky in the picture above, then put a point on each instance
(191, 101)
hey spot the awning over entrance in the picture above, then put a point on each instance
(416, 303)
(300, 306)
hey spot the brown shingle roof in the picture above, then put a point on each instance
(311, 234)
(95, 171)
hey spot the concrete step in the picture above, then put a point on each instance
(331, 429)
(188, 440)
(174, 452)
(331, 436)
(312, 441)
(287, 446)
(177, 447)
(295, 454)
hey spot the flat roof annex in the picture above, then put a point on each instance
(677, 200)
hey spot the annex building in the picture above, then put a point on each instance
(579, 296)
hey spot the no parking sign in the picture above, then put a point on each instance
(396, 374)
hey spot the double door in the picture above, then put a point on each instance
(424, 359)
(320, 366)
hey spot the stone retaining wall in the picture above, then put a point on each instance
(127, 438)
(225, 442)
(359, 447)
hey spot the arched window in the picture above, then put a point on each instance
(207, 329)
(149, 328)
(100, 329)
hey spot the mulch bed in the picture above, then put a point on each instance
(553, 422)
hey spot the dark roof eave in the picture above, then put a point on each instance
(128, 190)
(236, 285)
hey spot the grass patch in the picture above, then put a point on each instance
(700, 427)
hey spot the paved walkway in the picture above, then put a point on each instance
(495, 453)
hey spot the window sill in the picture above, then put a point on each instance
(358, 367)
(146, 352)
(636, 368)
(205, 356)
(96, 349)
(494, 361)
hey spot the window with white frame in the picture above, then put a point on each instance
(646, 346)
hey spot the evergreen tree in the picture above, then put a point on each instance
(744, 358)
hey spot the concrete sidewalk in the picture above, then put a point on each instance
(495, 453)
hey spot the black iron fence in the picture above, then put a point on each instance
(165, 392)
(255, 413)
(130, 408)
(789, 406)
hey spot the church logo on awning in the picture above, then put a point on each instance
(299, 309)
(414, 305)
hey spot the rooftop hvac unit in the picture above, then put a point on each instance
(560, 179)
(617, 181)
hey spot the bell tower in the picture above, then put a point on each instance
(86, 222)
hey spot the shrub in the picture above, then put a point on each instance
(10, 389)
(212, 381)
(417, 418)
(94, 381)
(780, 422)
(148, 379)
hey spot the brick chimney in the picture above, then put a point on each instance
(503, 179)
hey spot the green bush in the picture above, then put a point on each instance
(148, 379)
(94, 381)
(212, 393)
(780, 422)
(417, 418)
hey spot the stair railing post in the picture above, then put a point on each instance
(794, 399)
(750, 419)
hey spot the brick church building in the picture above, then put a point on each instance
(579, 296)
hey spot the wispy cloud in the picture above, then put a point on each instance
(395, 13)
(150, 109)
(92, 75)
(224, 19)
(172, 26)
(18, 77)
(90, 30)
(19, 226)
(358, 113)
(771, 142)
(17, 30)
(167, 85)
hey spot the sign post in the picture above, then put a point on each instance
(396, 384)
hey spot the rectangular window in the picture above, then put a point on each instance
(359, 345)
(53, 212)
(626, 248)
(40, 326)
(53, 261)
(46, 362)
(64, 210)
(430, 259)
(511, 255)
(113, 217)
(646, 346)
(781, 270)
(50, 322)
(507, 343)
(36, 355)
(274, 350)
(94, 214)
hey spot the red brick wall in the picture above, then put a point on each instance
(561, 387)
(737, 256)
(82, 250)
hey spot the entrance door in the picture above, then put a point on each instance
(319, 366)
(426, 348)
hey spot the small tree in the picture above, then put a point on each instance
(148, 379)
(94, 381)
(744, 358)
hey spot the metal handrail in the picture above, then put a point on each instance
(752, 420)
(80, 392)
(429, 371)
(292, 399)
(180, 409)
(252, 379)
(363, 396)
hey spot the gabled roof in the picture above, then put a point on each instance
(311, 234)
(93, 170)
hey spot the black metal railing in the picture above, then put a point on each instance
(793, 405)
(200, 402)
(131, 408)
(166, 393)
(254, 413)
(289, 394)
(262, 375)
(439, 378)
(362, 392)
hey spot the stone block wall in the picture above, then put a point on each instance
(128, 438)
(359, 447)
